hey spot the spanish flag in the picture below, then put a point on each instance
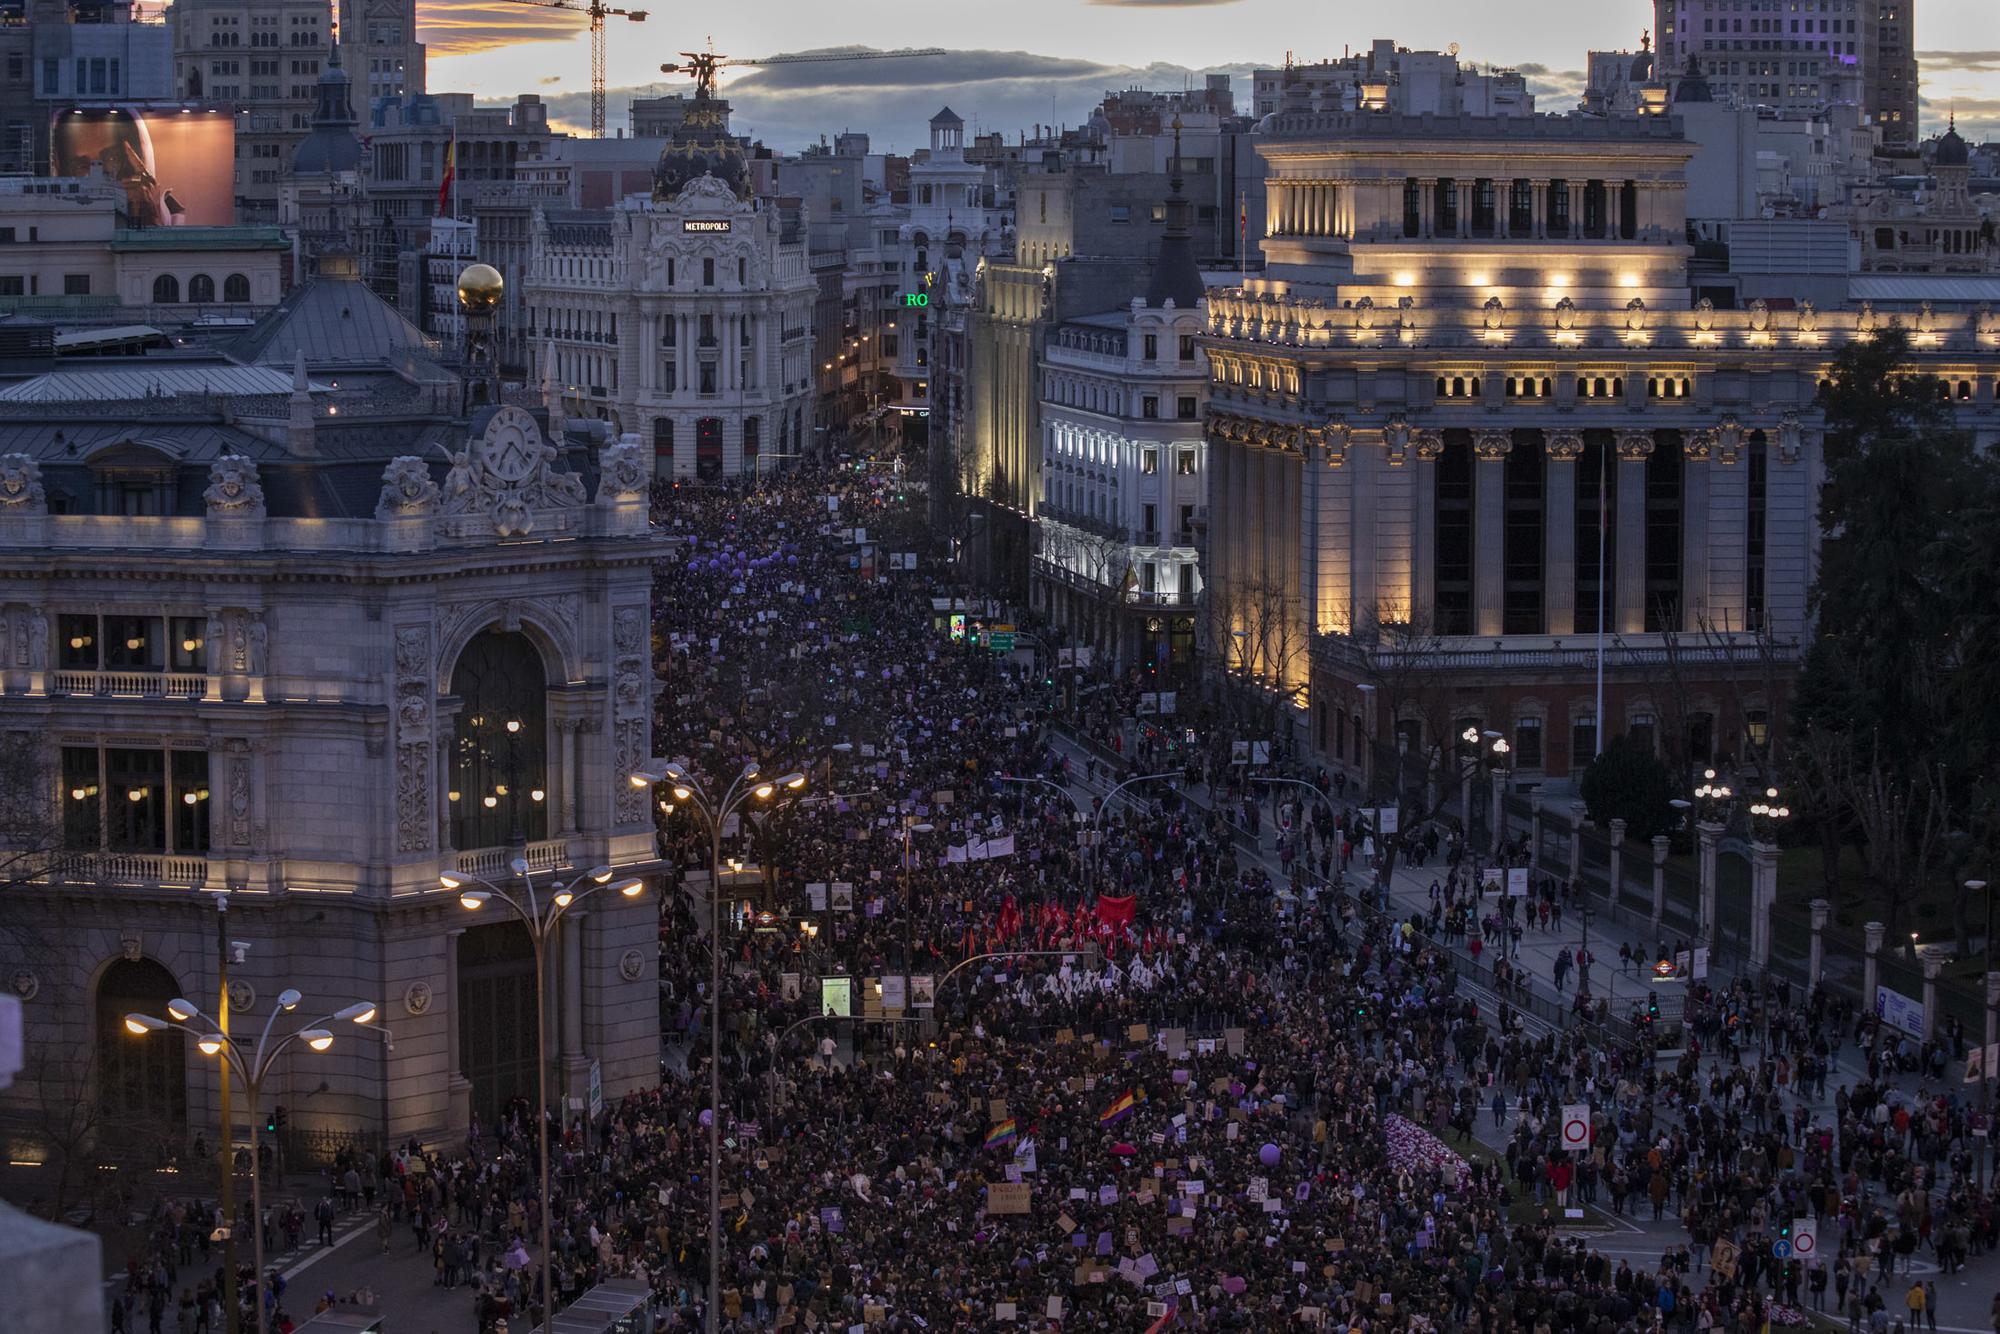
(450, 171)
(1121, 1107)
(1001, 1135)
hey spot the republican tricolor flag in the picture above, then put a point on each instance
(1121, 1107)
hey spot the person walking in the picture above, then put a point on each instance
(324, 1213)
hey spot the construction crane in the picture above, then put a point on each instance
(597, 11)
(702, 66)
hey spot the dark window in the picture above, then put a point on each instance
(1528, 742)
(135, 805)
(236, 289)
(1187, 408)
(1149, 406)
(708, 273)
(708, 449)
(1482, 207)
(1582, 743)
(1558, 208)
(1151, 343)
(134, 644)
(77, 649)
(663, 438)
(1446, 206)
(1594, 220)
(187, 644)
(1452, 596)
(201, 289)
(1663, 533)
(1413, 206)
(1521, 207)
(188, 770)
(1628, 210)
(166, 290)
(753, 430)
(76, 284)
(1596, 499)
(1521, 595)
(1187, 347)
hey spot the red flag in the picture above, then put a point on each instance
(450, 171)
(1117, 910)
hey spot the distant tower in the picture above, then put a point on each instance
(947, 134)
(480, 288)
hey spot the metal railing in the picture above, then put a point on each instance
(546, 855)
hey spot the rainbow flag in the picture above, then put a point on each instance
(1001, 1134)
(1121, 1107)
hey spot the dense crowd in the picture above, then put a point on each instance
(1178, 1062)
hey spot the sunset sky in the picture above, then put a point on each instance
(1027, 61)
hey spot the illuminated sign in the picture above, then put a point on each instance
(916, 298)
(706, 224)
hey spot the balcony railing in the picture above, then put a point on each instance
(146, 685)
(1540, 653)
(493, 863)
(128, 868)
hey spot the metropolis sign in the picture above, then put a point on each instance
(705, 224)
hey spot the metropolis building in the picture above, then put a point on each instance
(1472, 352)
(686, 317)
(295, 626)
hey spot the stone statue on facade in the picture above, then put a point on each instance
(233, 489)
(407, 490)
(624, 472)
(21, 489)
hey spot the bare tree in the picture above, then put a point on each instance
(1903, 822)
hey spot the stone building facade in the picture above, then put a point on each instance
(687, 318)
(284, 657)
(1473, 352)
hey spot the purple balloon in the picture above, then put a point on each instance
(1268, 1155)
(707, 1115)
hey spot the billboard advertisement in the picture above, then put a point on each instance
(177, 165)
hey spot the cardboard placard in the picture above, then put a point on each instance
(1007, 1197)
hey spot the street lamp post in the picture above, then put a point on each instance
(715, 814)
(1093, 823)
(1986, 1051)
(541, 920)
(909, 909)
(251, 1065)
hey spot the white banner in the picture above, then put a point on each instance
(894, 992)
(1899, 1011)
(1388, 820)
(1517, 882)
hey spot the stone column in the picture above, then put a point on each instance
(1503, 199)
(1541, 227)
(1579, 816)
(1464, 189)
(1489, 529)
(1816, 962)
(1564, 448)
(1363, 469)
(458, 1089)
(1426, 445)
(1617, 885)
(1707, 833)
(1871, 943)
(1763, 899)
(1659, 881)
(1694, 535)
(1933, 965)
(1634, 448)
(1498, 819)
(1427, 192)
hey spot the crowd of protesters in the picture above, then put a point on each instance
(1093, 1066)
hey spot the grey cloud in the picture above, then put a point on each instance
(1964, 62)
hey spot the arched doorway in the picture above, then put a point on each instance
(496, 1017)
(499, 759)
(141, 1081)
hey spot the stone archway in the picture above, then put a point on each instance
(140, 1082)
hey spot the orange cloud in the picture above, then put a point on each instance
(463, 27)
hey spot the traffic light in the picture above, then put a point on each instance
(271, 1122)
(1785, 1230)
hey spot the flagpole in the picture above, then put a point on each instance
(1242, 237)
(457, 215)
(1603, 483)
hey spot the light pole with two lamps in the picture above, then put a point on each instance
(741, 792)
(251, 1065)
(541, 919)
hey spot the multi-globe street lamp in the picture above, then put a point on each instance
(250, 1065)
(541, 919)
(741, 792)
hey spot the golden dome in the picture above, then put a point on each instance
(479, 288)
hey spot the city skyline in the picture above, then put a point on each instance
(1000, 79)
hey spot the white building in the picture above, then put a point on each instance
(1123, 468)
(685, 317)
(1387, 77)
